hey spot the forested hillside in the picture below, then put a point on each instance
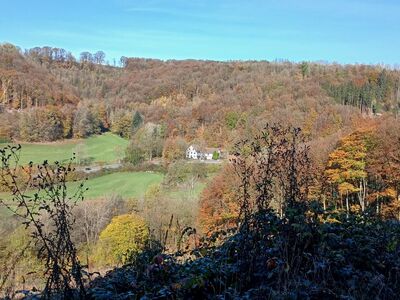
(199, 100)
(25, 84)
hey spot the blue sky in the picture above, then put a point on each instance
(345, 31)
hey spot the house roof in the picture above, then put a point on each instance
(203, 149)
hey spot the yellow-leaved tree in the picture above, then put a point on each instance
(346, 170)
(123, 239)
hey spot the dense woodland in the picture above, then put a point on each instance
(205, 100)
(330, 185)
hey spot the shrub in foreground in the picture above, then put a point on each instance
(124, 238)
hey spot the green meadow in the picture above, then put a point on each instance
(105, 148)
(125, 184)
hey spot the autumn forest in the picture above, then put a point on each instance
(301, 202)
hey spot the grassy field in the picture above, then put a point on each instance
(104, 148)
(125, 184)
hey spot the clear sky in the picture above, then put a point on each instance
(345, 31)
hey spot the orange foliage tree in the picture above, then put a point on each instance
(346, 170)
(219, 206)
(384, 168)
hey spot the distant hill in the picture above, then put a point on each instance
(25, 84)
(207, 100)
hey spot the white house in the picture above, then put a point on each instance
(192, 152)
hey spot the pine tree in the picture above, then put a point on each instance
(137, 121)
